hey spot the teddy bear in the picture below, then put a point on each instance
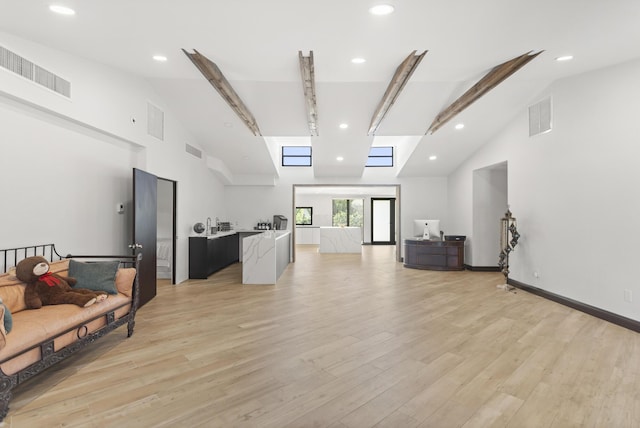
(46, 288)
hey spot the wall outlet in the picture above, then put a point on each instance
(628, 295)
(536, 274)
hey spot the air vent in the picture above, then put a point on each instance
(155, 121)
(540, 117)
(193, 151)
(25, 68)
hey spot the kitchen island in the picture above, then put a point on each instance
(265, 256)
(340, 240)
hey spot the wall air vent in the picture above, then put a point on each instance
(25, 68)
(193, 151)
(155, 121)
(540, 117)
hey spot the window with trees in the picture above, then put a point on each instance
(304, 216)
(348, 212)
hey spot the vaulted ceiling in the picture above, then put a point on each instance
(256, 45)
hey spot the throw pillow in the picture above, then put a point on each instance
(97, 276)
(124, 280)
(7, 319)
(3, 332)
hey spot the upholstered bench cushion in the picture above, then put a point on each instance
(30, 327)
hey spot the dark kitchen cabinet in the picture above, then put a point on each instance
(210, 254)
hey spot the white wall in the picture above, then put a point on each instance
(62, 187)
(420, 198)
(81, 152)
(323, 206)
(489, 206)
(573, 190)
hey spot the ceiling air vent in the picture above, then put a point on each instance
(155, 121)
(540, 117)
(193, 151)
(25, 68)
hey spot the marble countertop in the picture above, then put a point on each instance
(278, 233)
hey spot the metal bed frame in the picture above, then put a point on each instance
(48, 355)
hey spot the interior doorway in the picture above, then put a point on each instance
(490, 190)
(166, 231)
(316, 199)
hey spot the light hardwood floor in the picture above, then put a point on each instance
(346, 341)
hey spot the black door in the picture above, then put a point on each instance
(145, 220)
(383, 221)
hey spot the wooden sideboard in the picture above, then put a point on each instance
(433, 255)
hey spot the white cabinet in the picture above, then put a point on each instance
(308, 235)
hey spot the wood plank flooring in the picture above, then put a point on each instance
(346, 341)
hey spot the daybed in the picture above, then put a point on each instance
(39, 338)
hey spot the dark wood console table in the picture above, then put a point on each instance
(433, 255)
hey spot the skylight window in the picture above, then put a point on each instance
(380, 156)
(296, 155)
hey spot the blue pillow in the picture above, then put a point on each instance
(8, 319)
(96, 276)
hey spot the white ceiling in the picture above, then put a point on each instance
(255, 43)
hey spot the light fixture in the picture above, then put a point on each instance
(160, 58)
(382, 9)
(62, 10)
(460, 126)
(433, 157)
(564, 58)
(358, 60)
(344, 125)
(339, 158)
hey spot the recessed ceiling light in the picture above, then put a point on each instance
(460, 126)
(344, 125)
(358, 60)
(381, 9)
(433, 157)
(62, 10)
(339, 158)
(160, 58)
(228, 125)
(565, 58)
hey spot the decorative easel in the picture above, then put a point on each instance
(508, 240)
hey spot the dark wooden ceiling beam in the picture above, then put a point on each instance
(213, 74)
(400, 78)
(492, 79)
(309, 86)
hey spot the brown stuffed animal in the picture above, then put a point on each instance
(46, 288)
